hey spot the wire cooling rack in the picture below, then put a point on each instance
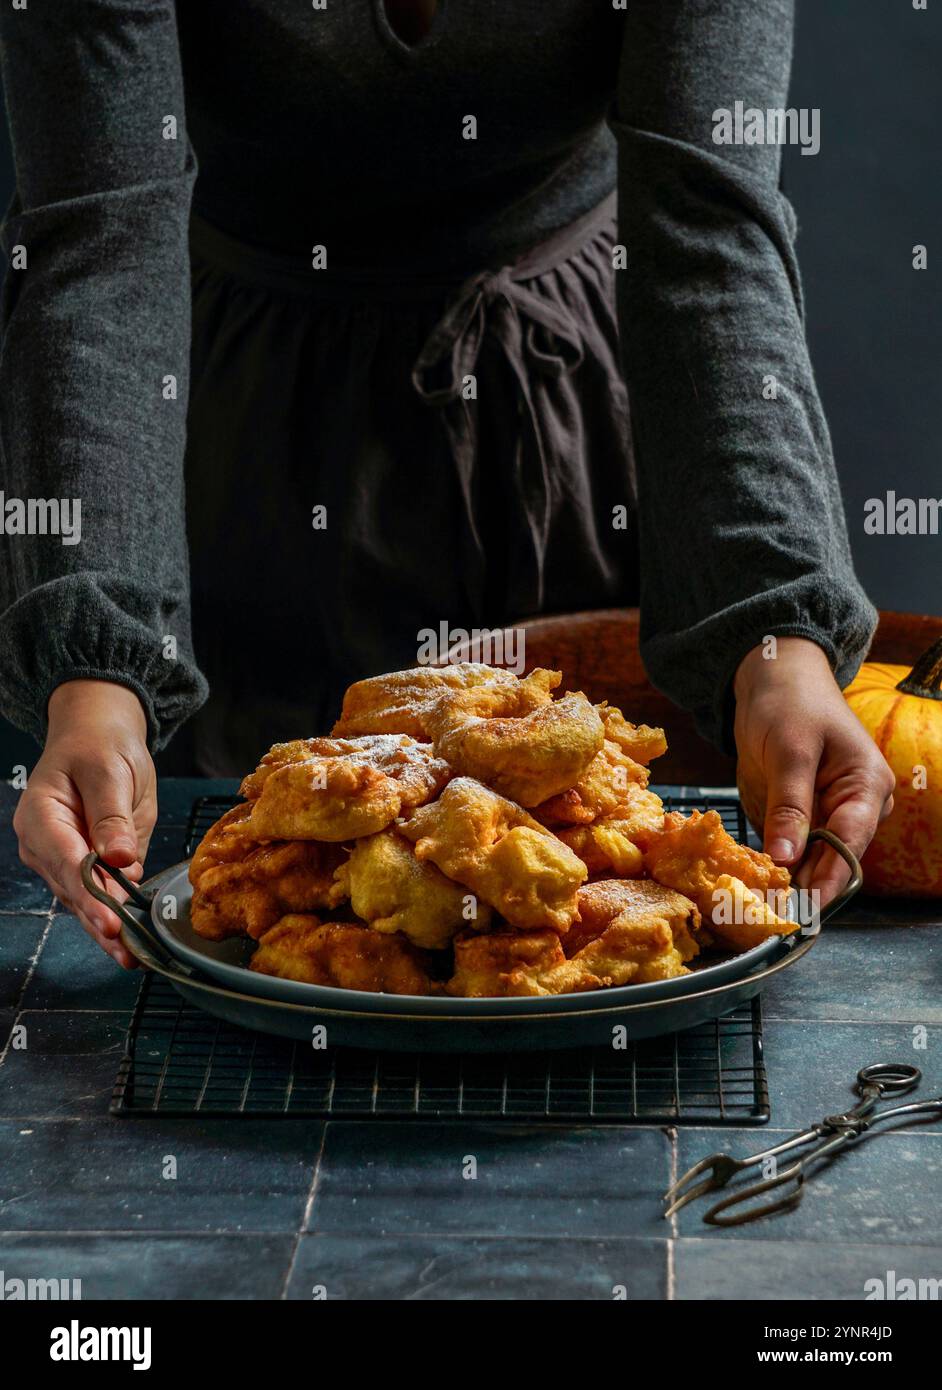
(181, 1061)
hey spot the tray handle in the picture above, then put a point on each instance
(94, 861)
(852, 862)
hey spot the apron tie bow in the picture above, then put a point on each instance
(533, 336)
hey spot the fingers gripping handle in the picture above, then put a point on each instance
(852, 862)
(93, 885)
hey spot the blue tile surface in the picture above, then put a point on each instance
(812, 1066)
(867, 910)
(864, 973)
(553, 1213)
(161, 1176)
(20, 935)
(885, 1190)
(160, 1267)
(72, 972)
(411, 1179)
(787, 1270)
(401, 1268)
(20, 889)
(67, 1068)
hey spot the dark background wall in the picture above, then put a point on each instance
(863, 203)
(874, 67)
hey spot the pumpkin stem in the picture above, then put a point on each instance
(925, 679)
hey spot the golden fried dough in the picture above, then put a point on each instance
(607, 785)
(692, 852)
(507, 964)
(608, 845)
(517, 739)
(394, 891)
(740, 919)
(604, 848)
(501, 853)
(298, 750)
(640, 812)
(356, 792)
(398, 703)
(535, 795)
(226, 840)
(378, 750)
(247, 894)
(630, 952)
(514, 698)
(640, 742)
(627, 937)
(332, 799)
(638, 904)
(344, 954)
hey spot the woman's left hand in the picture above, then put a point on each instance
(805, 759)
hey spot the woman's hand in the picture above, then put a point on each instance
(805, 759)
(94, 787)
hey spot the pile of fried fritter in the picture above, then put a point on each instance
(465, 832)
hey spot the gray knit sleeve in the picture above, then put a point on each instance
(742, 526)
(95, 316)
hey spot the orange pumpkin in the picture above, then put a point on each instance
(902, 710)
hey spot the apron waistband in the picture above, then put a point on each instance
(295, 273)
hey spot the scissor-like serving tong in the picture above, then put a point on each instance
(834, 1132)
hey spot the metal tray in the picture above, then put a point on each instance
(212, 976)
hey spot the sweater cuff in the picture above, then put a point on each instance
(82, 628)
(695, 668)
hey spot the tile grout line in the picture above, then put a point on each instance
(154, 1233)
(306, 1216)
(50, 1013)
(847, 1022)
(340, 1232)
(6, 1046)
(159, 1233)
(35, 958)
(672, 1136)
(910, 1129)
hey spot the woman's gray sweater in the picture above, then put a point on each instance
(312, 124)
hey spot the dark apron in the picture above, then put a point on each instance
(465, 444)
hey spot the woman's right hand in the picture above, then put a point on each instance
(94, 787)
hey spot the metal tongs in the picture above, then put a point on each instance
(834, 1131)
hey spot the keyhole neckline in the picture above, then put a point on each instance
(398, 45)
